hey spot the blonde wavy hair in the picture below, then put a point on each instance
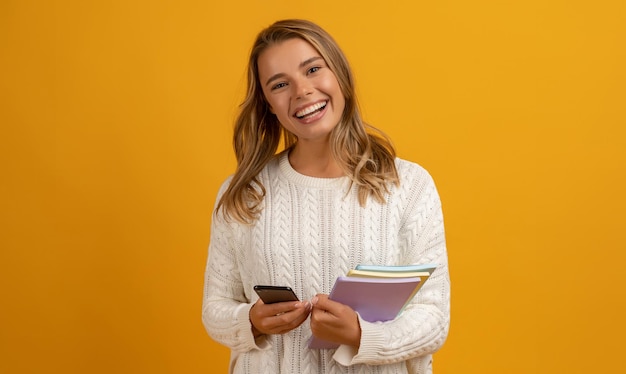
(363, 152)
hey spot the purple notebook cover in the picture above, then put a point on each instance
(376, 299)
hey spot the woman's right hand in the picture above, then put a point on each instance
(278, 318)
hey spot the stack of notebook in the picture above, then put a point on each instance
(377, 293)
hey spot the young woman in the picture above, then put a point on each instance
(334, 197)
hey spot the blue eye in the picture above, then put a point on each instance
(313, 69)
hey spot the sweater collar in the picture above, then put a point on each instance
(288, 172)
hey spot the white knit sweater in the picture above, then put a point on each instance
(311, 231)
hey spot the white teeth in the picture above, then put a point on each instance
(310, 109)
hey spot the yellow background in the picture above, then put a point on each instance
(116, 122)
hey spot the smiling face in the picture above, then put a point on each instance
(301, 90)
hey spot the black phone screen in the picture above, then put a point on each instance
(275, 294)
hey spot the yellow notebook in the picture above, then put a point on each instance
(385, 274)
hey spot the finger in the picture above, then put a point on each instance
(286, 307)
(276, 319)
(322, 316)
(287, 321)
(300, 310)
(297, 321)
(324, 303)
(267, 310)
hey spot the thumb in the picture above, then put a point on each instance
(320, 301)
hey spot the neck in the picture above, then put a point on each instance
(314, 162)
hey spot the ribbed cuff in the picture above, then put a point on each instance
(244, 326)
(372, 342)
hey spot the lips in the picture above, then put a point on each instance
(310, 110)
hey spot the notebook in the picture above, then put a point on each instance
(375, 299)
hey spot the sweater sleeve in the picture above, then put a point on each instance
(225, 308)
(423, 326)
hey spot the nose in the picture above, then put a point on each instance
(302, 88)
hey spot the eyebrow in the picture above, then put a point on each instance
(302, 64)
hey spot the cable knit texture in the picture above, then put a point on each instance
(311, 231)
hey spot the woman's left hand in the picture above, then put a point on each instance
(334, 321)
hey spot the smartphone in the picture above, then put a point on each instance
(275, 294)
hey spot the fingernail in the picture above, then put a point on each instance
(314, 300)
